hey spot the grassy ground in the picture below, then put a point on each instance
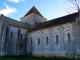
(32, 58)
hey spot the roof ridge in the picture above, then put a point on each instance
(33, 10)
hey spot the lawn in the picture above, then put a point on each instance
(31, 58)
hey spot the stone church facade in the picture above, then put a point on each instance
(36, 36)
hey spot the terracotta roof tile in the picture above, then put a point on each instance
(33, 10)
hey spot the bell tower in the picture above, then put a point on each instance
(33, 17)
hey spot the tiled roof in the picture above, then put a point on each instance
(16, 23)
(55, 22)
(33, 10)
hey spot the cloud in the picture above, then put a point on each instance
(8, 10)
(16, 1)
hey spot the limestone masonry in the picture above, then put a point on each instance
(36, 36)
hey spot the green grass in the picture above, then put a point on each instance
(31, 58)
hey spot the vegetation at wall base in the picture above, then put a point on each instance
(32, 58)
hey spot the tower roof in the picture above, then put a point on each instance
(33, 10)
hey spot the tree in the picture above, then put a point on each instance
(73, 5)
(76, 4)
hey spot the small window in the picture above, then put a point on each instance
(69, 37)
(38, 41)
(11, 34)
(57, 39)
(35, 23)
(46, 39)
(21, 36)
(30, 40)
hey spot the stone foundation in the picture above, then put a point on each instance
(57, 54)
(47, 54)
(38, 54)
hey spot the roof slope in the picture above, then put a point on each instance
(15, 23)
(55, 22)
(33, 10)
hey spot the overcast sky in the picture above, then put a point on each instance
(50, 9)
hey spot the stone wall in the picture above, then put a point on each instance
(2, 35)
(52, 47)
(76, 33)
(33, 19)
(14, 42)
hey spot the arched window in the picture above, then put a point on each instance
(46, 39)
(21, 36)
(30, 40)
(35, 23)
(38, 41)
(11, 34)
(69, 37)
(57, 39)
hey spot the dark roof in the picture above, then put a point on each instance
(33, 10)
(55, 22)
(16, 23)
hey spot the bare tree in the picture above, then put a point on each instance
(76, 4)
(73, 6)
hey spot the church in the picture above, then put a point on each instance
(34, 35)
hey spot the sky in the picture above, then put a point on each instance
(50, 9)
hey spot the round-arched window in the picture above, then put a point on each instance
(46, 39)
(57, 39)
(38, 41)
(30, 40)
(69, 37)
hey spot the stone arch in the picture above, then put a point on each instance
(37, 39)
(66, 36)
(56, 37)
(46, 39)
(30, 40)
